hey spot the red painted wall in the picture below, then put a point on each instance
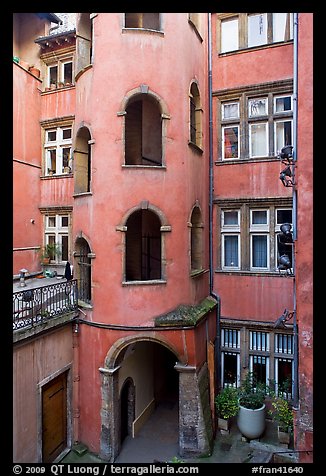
(26, 169)
(304, 243)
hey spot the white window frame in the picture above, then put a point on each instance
(291, 27)
(59, 144)
(226, 49)
(261, 229)
(237, 354)
(251, 364)
(278, 147)
(230, 103)
(276, 361)
(230, 230)
(60, 70)
(266, 348)
(265, 153)
(58, 231)
(232, 346)
(277, 230)
(259, 226)
(280, 96)
(265, 19)
(223, 147)
(259, 268)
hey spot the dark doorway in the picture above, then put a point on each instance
(127, 410)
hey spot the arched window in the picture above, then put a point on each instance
(83, 270)
(195, 116)
(147, 21)
(83, 41)
(143, 246)
(82, 161)
(143, 131)
(196, 240)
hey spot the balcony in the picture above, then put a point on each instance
(39, 308)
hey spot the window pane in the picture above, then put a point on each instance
(230, 369)
(229, 35)
(231, 218)
(66, 133)
(259, 251)
(230, 142)
(64, 248)
(65, 156)
(282, 26)
(257, 107)
(64, 221)
(284, 377)
(231, 251)
(257, 29)
(67, 73)
(283, 133)
(283, 104)
(52, 156)
(51, 221)
(259, 217)
(259, 368)
(258, 140)
(53, 75)
(283, 216)
(52, 136)
(230, 111)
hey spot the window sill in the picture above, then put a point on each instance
(56, 176)
(84, 305)
(195, 147)
(253, 273)
(82, 194)
(141, 166)
(146, 283)
(255, 48)
(146, 31)
(198, 272)
(247, 160)
(55, 90)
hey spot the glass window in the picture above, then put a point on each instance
(282, 26)
(230, 369)
(53, 75)
(66, 134)
(283, 134)
(259, 251)
(230, 218)
(231, 251)
(259, 340)
(231, 142)
(283, 216)
(231, 338)
(259, 367)
(258, 217)
(52, 136)
(229, 35)
(258, 143)
(257, 29)
(282, 103)
(257, 107)
(67, 73)
(64, 221)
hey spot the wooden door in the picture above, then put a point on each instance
(54, 418)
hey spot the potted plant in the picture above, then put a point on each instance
(227, 406)
(251, 416)
(49, 252)
(282, 413)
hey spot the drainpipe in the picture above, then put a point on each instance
(294, 198)
(211, 196)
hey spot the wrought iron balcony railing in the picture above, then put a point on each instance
(32, 307)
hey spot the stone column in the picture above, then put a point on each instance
(195, 422)
(110, 414)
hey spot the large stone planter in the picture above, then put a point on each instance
(251, 423)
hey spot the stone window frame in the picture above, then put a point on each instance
(58, 58)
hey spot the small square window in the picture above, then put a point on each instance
(51, 222)
(282, 104)
(230, 218)
(283, 216)
(66, 134)
(64, 221)
(258, 217)
(51, 136)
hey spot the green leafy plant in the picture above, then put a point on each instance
(50, 251)
(175, 459)
(227, 403)
(282, 414)
(252, 393)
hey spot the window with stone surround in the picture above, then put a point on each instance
(248, 232)
(145, 21)
(238, 31)
(56, 231)
(57, 148)
(266, 352)
(254, 125)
